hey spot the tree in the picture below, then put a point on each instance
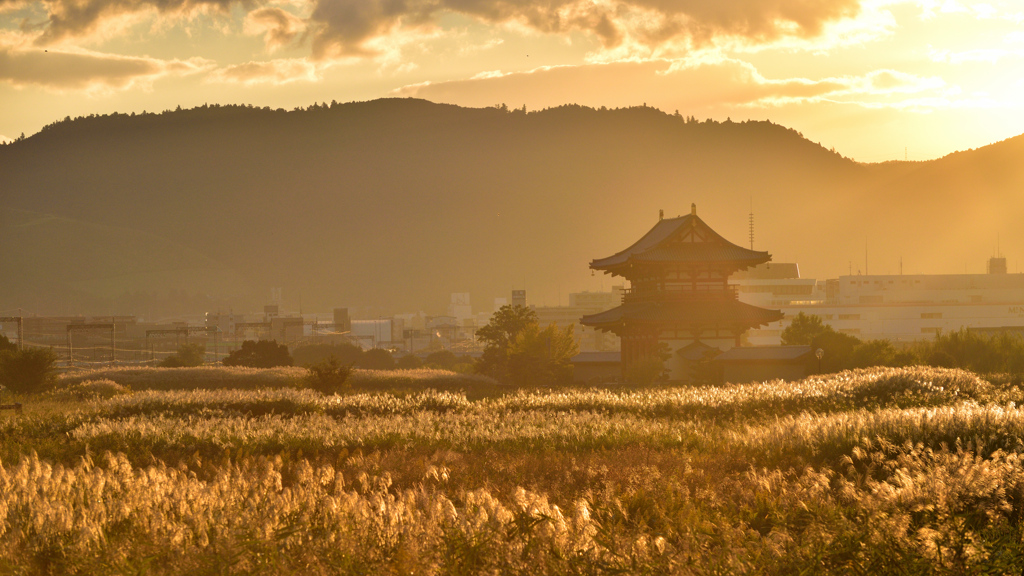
(498, 335)
(542, 357)
(941, 359)
(838, 348)
(873, 353)
(310, 354)
(376, 359)
(804, 329)
(409, 362)
(443, 359)
(29, 370)
(6, 345)
(186, 356)
(262, 354)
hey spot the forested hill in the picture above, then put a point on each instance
(390, 205)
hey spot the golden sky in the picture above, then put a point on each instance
(875, 79)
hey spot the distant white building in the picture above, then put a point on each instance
(460, 307)
(381, 333)
(900, 308)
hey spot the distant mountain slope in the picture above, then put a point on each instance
(64, 264)
(390, 205)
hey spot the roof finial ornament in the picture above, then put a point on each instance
(661, 214)
(693, 209)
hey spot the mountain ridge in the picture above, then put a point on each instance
(389, 205)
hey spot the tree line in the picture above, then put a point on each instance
(1001, 353)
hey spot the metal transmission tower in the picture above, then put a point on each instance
(160, 331)
(105, 326)
(21, 329)
(751, 221)
(186, 330)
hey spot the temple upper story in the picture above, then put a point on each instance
(680, 258)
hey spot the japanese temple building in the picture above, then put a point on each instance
(679, 294)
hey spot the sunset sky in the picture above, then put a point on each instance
(875, 79)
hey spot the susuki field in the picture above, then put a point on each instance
(914, 470)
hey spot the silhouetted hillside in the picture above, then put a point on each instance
(393, 204)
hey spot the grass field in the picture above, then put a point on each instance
(915, 470)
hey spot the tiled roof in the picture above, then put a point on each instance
(699, 252)
(697, 313)
(697, 350)
(652, 247)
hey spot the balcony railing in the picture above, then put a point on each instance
(682, 292)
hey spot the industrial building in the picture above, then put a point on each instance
(901, 308)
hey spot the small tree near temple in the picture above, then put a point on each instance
(804, 329)
(542, 357)
(498, 336)
(838, 347)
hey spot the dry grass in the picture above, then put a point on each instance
(853, 473)
(200, 377)
(224, 377)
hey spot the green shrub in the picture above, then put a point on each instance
(442, 359)
(409, 362)
(27, 371)
(942, 359)
(187, 356)
(309, 354)
(262, 354)
(376, 359)
(328, 376)
(6, 345)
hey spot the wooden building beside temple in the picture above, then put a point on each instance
(679, 295)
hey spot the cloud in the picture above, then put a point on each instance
(345, 27)
(690, 85)
(68, 19)
(85, 70)
(358, 28)
(278, 27)
(12, 5)
(280, 71)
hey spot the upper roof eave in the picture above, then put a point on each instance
(649, 248)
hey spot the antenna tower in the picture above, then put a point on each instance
(751, 221)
